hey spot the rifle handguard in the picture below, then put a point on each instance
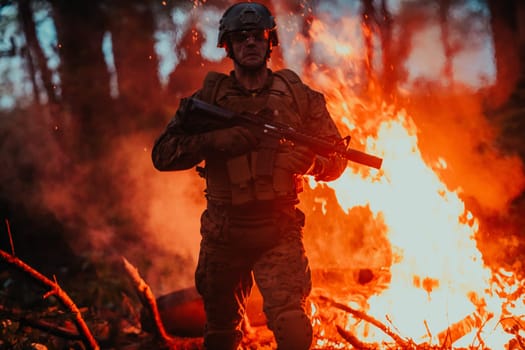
(206, 117)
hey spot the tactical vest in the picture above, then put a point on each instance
(252, 177)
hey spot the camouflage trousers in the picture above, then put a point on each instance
(237, 249)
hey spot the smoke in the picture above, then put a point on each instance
(131, 210)
(453, 128)
(442, 86)
(167, 207)
(447, 107)
(152, 218)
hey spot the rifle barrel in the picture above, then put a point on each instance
(363, 158)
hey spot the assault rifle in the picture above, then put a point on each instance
(203, 116)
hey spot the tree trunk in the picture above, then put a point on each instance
(510, 84)
(93, 125)
(85, 80)
(389, 80)
(504, 27)
(132, 28)
(444, 8)
(34, 52)
(369, 22)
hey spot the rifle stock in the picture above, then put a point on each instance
(207, 117)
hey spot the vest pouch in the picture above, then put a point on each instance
(240, 178)
(284, 182)
(263, 187)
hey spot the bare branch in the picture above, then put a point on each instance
(39, 323)
(359, 314)
(10, 237)
(148, 300)
(62, 296)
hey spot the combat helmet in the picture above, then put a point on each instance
(246, 16)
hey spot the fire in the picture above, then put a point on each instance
(440, 292)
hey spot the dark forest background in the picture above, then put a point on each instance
(68, 126)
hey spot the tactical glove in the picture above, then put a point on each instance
(232, 141)
(297, 159)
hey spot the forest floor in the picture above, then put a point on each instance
(112, 309)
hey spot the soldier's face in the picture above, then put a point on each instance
(250, 47)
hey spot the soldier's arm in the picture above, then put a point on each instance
(174, 149)
(321, 124)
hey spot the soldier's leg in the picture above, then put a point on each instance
(283, 277)
(224, 281)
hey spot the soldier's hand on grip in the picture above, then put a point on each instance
(297, 159)
(231, 141)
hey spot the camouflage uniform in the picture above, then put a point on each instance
(252, 235)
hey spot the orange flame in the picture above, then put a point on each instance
(440, 292)
(438, 278)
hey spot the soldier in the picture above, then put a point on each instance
(251, 228)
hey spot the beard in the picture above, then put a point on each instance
(251, 68)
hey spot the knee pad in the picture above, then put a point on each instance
(293, 331)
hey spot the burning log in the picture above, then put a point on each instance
(461, 328)
(85, 334)
(404, 344)
(182, 313)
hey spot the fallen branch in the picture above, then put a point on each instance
(150, 303)
(353, 340)
(51, 328)
(147, 298)
(39, 323)
(10, 237)
(461, 328)
(84, 332)
(404, 344)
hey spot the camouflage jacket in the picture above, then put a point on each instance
(176, 150)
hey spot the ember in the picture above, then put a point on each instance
(435, 289)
